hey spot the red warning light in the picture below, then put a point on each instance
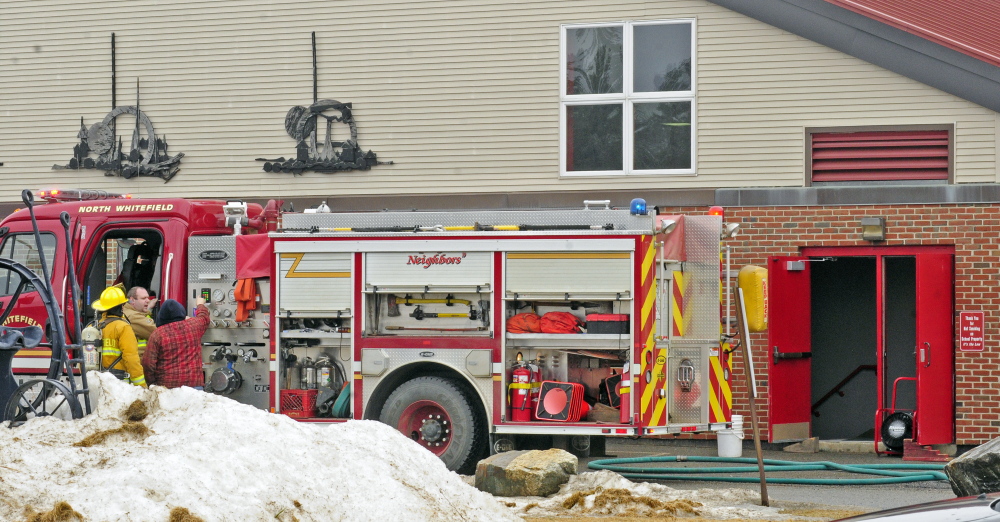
(716, 211)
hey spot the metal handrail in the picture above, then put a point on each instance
(836, 390)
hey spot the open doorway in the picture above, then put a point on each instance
(844, 342)
(857, 334)
(126, 257)
(900, 332)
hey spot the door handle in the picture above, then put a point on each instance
(926, 359)
(776, 355)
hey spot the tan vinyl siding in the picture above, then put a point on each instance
(462, 95)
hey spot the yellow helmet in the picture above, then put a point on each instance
(111, 297)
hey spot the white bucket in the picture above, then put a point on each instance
(738, 425)
(730, 444)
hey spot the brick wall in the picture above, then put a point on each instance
(974, 230)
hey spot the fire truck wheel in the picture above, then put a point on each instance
(439, 415)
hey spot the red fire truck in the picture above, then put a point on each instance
(432, 322)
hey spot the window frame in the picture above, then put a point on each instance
(627, 99)
(49, 258)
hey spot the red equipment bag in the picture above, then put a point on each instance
(524, 323)
(561, 323)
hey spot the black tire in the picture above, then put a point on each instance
(442, 416)
(41, 398)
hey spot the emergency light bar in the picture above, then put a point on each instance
(52, 195)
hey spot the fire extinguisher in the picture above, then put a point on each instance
(308, 374)
(522, 396)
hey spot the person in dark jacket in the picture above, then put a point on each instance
(173, 353)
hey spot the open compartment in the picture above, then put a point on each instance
(563, 350)
(427, 293)
(568, 320)
(427, 313)
(314, 368)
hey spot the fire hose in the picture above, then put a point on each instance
(890, 473)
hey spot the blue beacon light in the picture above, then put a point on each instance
(638, 207)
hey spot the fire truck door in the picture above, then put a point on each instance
(789, 348)
(20, 247)
(125, 253)
(935, 412)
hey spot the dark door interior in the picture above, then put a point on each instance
(900, 366)
(844, 340)
(129, 257)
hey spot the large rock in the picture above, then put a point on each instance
(976, 471)
(534, 473)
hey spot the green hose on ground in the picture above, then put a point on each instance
(916, 473)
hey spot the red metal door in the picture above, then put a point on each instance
(789, 348)
(935, 414)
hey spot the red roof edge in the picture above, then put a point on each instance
(948, 38)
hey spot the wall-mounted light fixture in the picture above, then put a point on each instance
(873, 228)
(729, 230)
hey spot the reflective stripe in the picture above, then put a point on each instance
(110, 351)
(141, 381)
(142, 343)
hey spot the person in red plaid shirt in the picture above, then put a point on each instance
(173, 352)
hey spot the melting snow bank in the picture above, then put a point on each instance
(604, 493)
(224, 461)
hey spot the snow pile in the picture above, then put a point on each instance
(221, 460)
(604, 493)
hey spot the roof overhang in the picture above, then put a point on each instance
(880, 44)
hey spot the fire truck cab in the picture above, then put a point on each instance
(409, 317)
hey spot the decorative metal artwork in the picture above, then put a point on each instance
(147, 155)
(328, 156)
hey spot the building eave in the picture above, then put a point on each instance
(880, 44)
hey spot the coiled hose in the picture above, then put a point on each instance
(888, 472)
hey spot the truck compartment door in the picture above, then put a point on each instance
(578, 274)
(315, 282)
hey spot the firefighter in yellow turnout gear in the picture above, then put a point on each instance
(120, 347)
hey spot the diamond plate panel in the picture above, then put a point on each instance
(701, 269)
(198, 265)
(686, 407)
(454, 359)
(620, 219)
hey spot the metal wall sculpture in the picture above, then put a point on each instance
(147, 155)
(328, 156)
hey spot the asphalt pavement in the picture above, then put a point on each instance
(861, 498)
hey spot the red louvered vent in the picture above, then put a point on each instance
(880, 156)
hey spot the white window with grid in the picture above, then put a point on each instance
(627, 98)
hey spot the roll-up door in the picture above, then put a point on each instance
(428, 271)
(315, 282)
(579, 274)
